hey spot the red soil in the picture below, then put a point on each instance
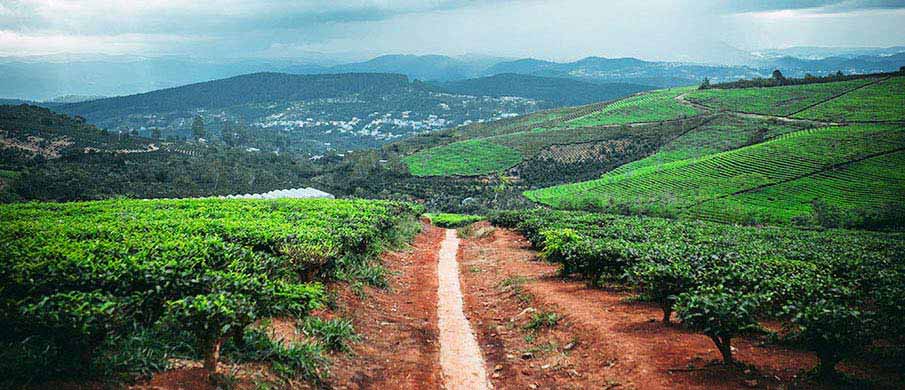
(620, 344)
(398, 326)
(400, 347)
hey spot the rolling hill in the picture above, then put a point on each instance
(777, 155)
(309, 113)
(558, 91)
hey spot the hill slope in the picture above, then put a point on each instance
(686, 182)
(304, 113)
(558, 91)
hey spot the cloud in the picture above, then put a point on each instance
(554, 29)
(814, 6)
(203, 16)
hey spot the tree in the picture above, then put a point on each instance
(227, 135)
(155, 133)
(198, 128)
(777, 75)
(662, 283)
(720, 314)
(832, 330)
(705, 84)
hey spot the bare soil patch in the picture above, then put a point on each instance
(616, 343)
(400, 346)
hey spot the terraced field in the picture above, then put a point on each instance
(492, 154)
(884, 101)
(648, 107)
(465, 158)
(871, 184)
(724, 133)
(779, 101)
(668, 188)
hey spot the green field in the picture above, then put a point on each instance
(884, 101)
(118, 287)
(869, 186)
(493, 154)
(668, 188)
(722, 134)
(780, 101)
(648, 107)
(464, 158)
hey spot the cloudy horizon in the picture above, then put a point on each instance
(682, 30)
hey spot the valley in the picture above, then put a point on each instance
(601, 223)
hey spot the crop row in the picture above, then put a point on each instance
(648, 107)
(80, 278)
(835, 291)
(781, 101)
(686, 182)
(884, 101)
(870, 186)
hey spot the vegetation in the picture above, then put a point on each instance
(677, 188)
(654, 106)
(779, 80)
(79, 278)
(781, 101)
(880, 102)
(555, 90)
(451, 221)
(837, 291)
(465, 158)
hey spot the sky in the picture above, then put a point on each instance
(549, 29)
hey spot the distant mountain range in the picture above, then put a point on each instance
(45, 78)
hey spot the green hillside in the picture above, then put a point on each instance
(781, 101)
(493, 154)
(884, 101)
(725, 133)
(670, 188)
(872, 188)
(649, 107)
(465, 158)
(524, 139)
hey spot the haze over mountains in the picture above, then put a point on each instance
(46, 78)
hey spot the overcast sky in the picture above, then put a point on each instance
(549, 29)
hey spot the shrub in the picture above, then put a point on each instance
(452, 221)
(76, 322)
(211, 319)
(832, 330)
(335, 334)
(590, 258)
(719, 313)
(662, 283)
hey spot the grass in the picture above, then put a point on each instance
(648, 107)
(465, 158)
(780, 101)
(884, 101)
(668, 188)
